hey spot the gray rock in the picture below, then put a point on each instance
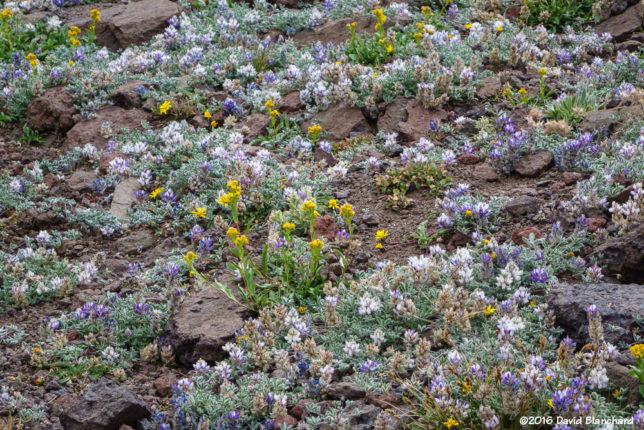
(345, 391)
(623, 255)
(135, 242)
(361, 415)
(203, 324)
(622, 25)
(618, 305)
(104, 406)
(607, 119)
(124, 197)
(127, 95)
(532, 165)
(82, 180)
(523, 205)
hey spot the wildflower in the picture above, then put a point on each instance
(155, 193)
(190, 258)
(637, 350)
(199, 212)
(302, 310)
(379, 246)
(288, 227)
(522, 91)
(225, 199)
(390, 49)
(468, 26)
(539, 275)
(368, 366)
(214, 123)
(346, 210)
(165, 107)
(316, 245)
(241, 241)
(269, 104)
(95, 14)
(542, 72)
(450, 423)
(382, 234)
(314, 131)
(6, 14)
(468, 213)
(309, 206)
(333, 204)
(489, 310)
(207, 114)
(232, 233)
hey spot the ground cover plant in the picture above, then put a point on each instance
(339, 214)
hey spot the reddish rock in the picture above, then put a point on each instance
(458, 240)
(485, 172)
(163, 385)
(532, 165)
(50, 180)
(291, 102)
(339, 120)
(326, 227)
(90, 131)
(335, 31)
(17, 170)
(571, 178)
(345, 390)
(300, 407)
(254, 126)
(491, 87)
(522, 233)
(418, 120)
(54, 110)
(128, 95)
(285, 421)
(104, 162)
(394, 114)
(596, 223)
(468, 159)
(383, 401)
(622, 25)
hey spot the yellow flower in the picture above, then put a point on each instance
(37, 350)
(165, 107)
(269, 104)
(489, 310)
(241, 241)
(76, 42)
(192, 273)
(190, 258)
(232, 233)
(379, 245)
(214, 123)
(274, 113)
(309, 206)
(71, 63)
(6, 14)
(522, 91)
(542, 72)
(314, 130)
(492, 256)
(33, 64)
(637, 350)
(390, 49)
(468, 213)
(73, 31)
(95, 14)
(346, 210)
(499, 29)
(288, 227)
(486, 241)
(450, 423)
(468, 26)
(507, 92)
(302, 310)
(155, 193)
(225, 199)
(339, 63)
(207, 115)
(234, 188)
(382, 234)
(551, 404)
(30, 57)
(199, 212)
(333, 204)
(316, 245)
(532, 303)
(467, 388)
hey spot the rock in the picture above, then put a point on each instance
(523, 233)
(468, 159)
(622, 25)
(285, 421)
(618, 305)
(136, 242)
(52, 111)
(82, 180)
(523, 205)
(370, 220)
(618, 375)
(326, 227)
(383, 400)
(90, 131)
(623, 255)
(254, 126)
(485, 172)
(124, 197)
(361, 415)
(300, 408)
(104, 406)
(418, 121)
(393, 150)
(203, 324)
(608, 119)
(629, 45)
(335, 31)
(128, 95)
(394, 114)
(134, 23)
(340, 120)
(596, 223)
(533, 165)
(491, 87)
(291, 102)
(345, 390)
(571, 178)
(163, 385)
(327, 157)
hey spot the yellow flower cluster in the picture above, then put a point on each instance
(346, 210)
(241, 241)
(32, 60)
(380, 16)
(381, 235)
(316, 245)
(309, 206)
(542, 72)
(73, 32)
(199, 212)
(165, 107)
(95, 14)
(155, 193)
(288, 227)
(637, 350)
(234, 192)
(314, 131)
(190, 258)
(6, 14)
(232, 233)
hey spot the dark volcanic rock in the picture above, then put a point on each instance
(622, 25)
(345, 390)
(203, 324)
(128, 95)
(523, 205)
(532, 165)
(104, 406)
(618, 306)
(54, 110)
(90, 131)
(623, 255)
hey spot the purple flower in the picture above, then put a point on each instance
(142, 308)
(368, 366)
(539, 275)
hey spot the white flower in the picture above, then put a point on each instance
(369, 304)
(201, 365)
(378, 337)
(597, 378)
(351, 348)
(293, 336)
(110, 354)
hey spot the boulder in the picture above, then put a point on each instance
(486, 172)
(623, 25)
(326, 227)
(135, 242)
(335, 31)
(361, 415)
(618, 305)
(52, 111)
(104, 406)
(345, 390)
(608, 119)
(534, 164)
(490, 88)
(291, 102)
(90, 131)
(128, 95)
(254, 126)
(623, 255)
(82, 180)
(523, 205)
(519, 234)
(418, 121)
(203, 324)
(340, 120)
(124, 197)
(134, 23)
